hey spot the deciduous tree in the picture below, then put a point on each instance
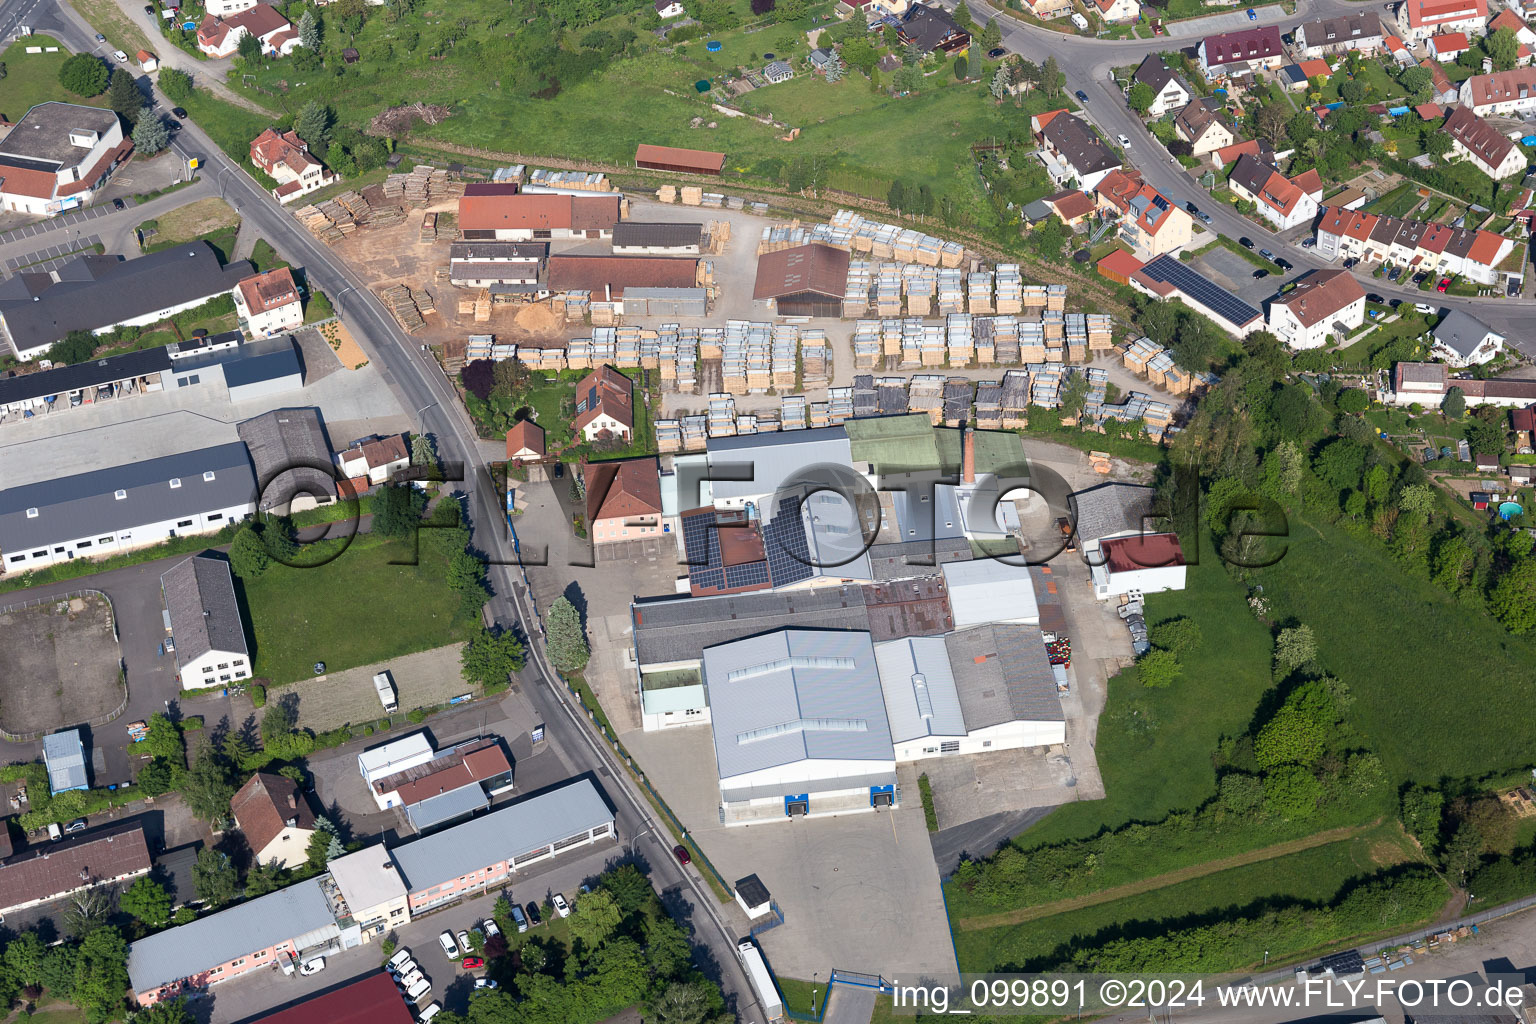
(1158, 669)
(148, 901)
(1140, 97)
(248, 556)
(214, 877)
(1295, 647)
(84, 75)
(101, 975)
(489, 658)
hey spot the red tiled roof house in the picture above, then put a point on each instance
(275, 818)
(605, 406)
(269, 303)
(623, 500)
(285, 158)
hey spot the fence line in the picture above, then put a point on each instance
(27, 737)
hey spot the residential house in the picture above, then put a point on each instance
(1353, 234)
(1072, 151)
(1071, 206)
(376, 898)
(205, 624)
(1445, 47)
(1417, 20)
(1507, 18)
(58, 156)
(933, 29)
(1463, 340)
(376, 460)
(1168, 93)
(527, 217)
(1198, 125)
(224, 8)
(135, 505)
(1442, 89)
(1234, 54)
(1150, 221)
(666, 10)
(1116, 11)
(525, 442)
(605, 406)
(1503, 92)
(275, 819)
(220, 37)
(111, 855)
(1284, 202)
(285, 158)
(1428, 383)
(1047, 10)
(1483, 145)
(1253, 147)
(269, 304)
(1323, 304)
(623, 500)
(1148, 564)
(1328, 37)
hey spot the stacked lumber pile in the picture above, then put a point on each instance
(402, 306)
(321, 226)
(429, 227)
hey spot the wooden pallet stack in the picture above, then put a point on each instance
(402, 306)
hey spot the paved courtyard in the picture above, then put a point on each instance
(59, 664)
(859, 892)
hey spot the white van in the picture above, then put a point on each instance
(401, 956)
(432, 1010)
(450, 949)
(519, 918)
(416, 991)
(54, 832)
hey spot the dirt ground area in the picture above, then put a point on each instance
(59, 665)
(195, 219)
(348, 352)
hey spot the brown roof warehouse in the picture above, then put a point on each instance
(606, 276)
(684, 161)
(100, 857)
(805, 280)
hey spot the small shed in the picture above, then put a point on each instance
(147, 61)
(778, 71)
(752, 897)
(350, 55)
(64, 757)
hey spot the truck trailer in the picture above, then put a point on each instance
(762, 982)
(386, 690)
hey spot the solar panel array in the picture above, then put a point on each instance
(1203, 290)
(789, 555)
(701, 545)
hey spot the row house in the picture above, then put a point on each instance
(1417, 20)
(1435, 248)
(1503, 92)
(1483, 145)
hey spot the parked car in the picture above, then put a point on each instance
(490, 927)
(100, 38)
(470, 963)
(1267, 255)
(463, 941)
(1394, 273)
(178, 112)
(1246, 243)
(1424, 307)
(416, 991)
(1351, 263)
(995, 53)
(1082, 97)
(149, 10)
(120, 56)
(1445, 283)
(1252, 14)
(485, 983)
(519, 918)
(683, 856)
(314, 966)
(1260, 273)
(80, 824)
(534, 916)
(431, 1011)
(1123, 140)
(117, 204)
(561, 907)
(405, 968)
(1395, 303)
(1421, 277)
(1283, 263)
(406, 982)
(401, 956)
(1373, 297)
(1205, 218)
(1307, 243)
(450, 948)
(173, 125)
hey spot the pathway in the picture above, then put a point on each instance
(1209, 867)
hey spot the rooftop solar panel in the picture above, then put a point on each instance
(1203, 290)
(789, 556)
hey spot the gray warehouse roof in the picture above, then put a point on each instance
(795, 695)
(64, 379)
(1003, 674)
(83, 505)
(65, 758)
(182, 952)
(91, 292)
(678, 629)
(1109, 509)
(919, 687)
(291, 444)
(205, 616)
(449, 806)
(656, 235)
(772, 459)
(509, 832)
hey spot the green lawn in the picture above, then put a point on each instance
(1379, 86)
(299, 616)
(33, 78)
(1310, 876)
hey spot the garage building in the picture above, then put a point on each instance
(684, 161)
(804, 280)
(800, 727)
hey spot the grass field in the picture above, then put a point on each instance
(33, 78)
(106, 17)
(1312, 876)
(300, 616)
(194, 221)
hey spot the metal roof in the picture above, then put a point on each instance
(671, 629)
(987, 590)
(85, 504)
(176, 953)
(920, 696)
(205, 615)
(262, 360)
(666, 234)
(395, 756)
(289, 444)
(63, 379)
(898, 561)
(65, 758)
(1003, 674)
(449, 806)
(795, 695)
(502, 835)
(772, 459)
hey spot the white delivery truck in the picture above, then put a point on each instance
(762, 982)
(386, 688)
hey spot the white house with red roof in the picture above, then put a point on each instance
(605, 406)
(1323, 303)
(667, 9)
(1115, 11)
(58, 156)
(268, 304)
(1503, 92)
(1149, 220)
(1284, 202)
(224, 8)
(1483, 145)
(1445, 47)
(1435, 248)
(286, 160)
(220, 37)
(1232, 54)
(1417, 20)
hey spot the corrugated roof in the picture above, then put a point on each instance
(616, 273)
(64, 379)
(672, 629)
(773, 459)
(988, 590)
(919, 688)
(1003, 674)
(190, 949)
(795, 695)
(670, 234)
(510, 832)
(1109, 509)
(704, 161)
(64, 757)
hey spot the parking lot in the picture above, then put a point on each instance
(52, 257)
(1235, 274)
(59, 664)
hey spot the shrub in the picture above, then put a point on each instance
(258, 695)
(417, 715)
